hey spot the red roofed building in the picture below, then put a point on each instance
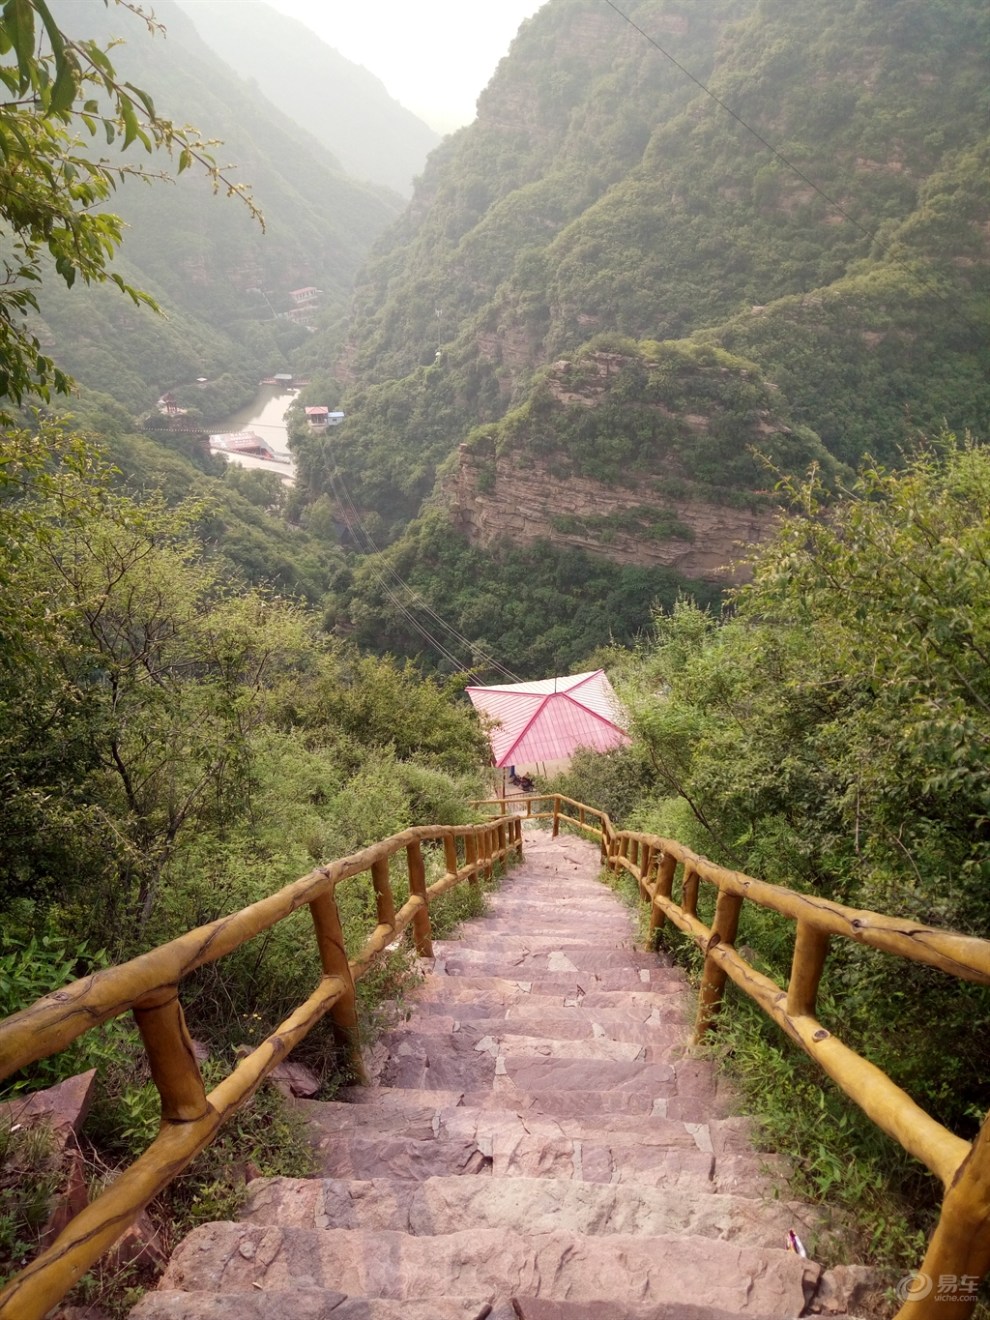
(544, 723)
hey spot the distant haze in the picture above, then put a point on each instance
(434, 56)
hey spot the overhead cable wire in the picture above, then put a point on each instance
(778, 155)
(353, 521)
(415, 623)
(417, 600)
(346, 502)
(397, 602)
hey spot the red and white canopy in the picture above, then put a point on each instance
(550, 719)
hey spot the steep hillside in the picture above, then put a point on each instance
(341, 104)
(646, 452)
(565, 119)
(220, 278)
(600, 191)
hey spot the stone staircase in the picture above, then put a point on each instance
(540, 1145)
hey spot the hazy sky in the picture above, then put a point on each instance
(434, 56)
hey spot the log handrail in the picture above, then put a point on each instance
(959, 1248)
(148, 987)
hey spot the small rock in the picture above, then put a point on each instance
(140, 1244)
(295, 1079)
(845, 1289)
(63, 1107)
(247, 1249)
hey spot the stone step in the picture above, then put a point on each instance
(617, 1006)
(541, 1308)
(581, 1035)
(513, 933)
(316, 1304)
(569, 1104)
(553, 1028)
(511, 956)
(662, 1270)
(431, 1115)
(653, 1044)
(481, 981)
(518, 1063)
(669, 1155)
(445, 1205)
(324, 1304)
(538, 910)
(500, 1155)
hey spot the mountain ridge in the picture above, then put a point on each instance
(340, 103)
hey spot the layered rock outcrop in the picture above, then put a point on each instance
(527, 499)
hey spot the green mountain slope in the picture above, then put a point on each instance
(601, 191)
(341, 104)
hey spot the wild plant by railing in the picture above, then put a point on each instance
(148, 987)
(960, 1246)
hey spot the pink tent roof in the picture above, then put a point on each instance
(550, 719)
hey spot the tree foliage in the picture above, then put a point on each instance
(833, 734)
(147, 695)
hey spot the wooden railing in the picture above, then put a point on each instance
(148, 987)
(959, 1251)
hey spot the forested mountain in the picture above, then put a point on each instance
(340, 103)
(220, 278)
(611, 286)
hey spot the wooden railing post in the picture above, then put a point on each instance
(959, 1251)
(724, 928)
(689, 892)
(490, 840)
(471, 856)
(645, 866)
(422, 931)
(502, 840)
(171, 1056)
(450, 853)
(556, 816)
(383, 893)
(810, 951)
(333, 959)
(664, 888)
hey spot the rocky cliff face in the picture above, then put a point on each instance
(520, 498)
(644, 454)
